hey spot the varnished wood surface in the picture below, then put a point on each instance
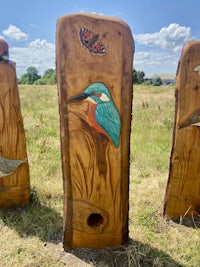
(15, 188)
(95, 171)
(183, 190)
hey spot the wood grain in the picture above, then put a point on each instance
(15, 188)
(183, 189)
(95, 172)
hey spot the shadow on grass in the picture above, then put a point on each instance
(46, 223)
(34, 220)
(188, 222)
(134, 254)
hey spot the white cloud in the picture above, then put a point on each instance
(39, 54)
(164, 49)
(171, 37)
(83, 10)
(38, 43)
(86, 10)
(95, 13)
(156, 62)
(15, 33)
(33, 25)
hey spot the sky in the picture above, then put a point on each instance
(159, 28)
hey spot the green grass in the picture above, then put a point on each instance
(153, 115)
(32, 236)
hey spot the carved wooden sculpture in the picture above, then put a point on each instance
(94, 71)
(14, 169)
(183, 190)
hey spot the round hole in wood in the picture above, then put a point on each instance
(95, 220)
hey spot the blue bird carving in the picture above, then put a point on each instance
(103, 114)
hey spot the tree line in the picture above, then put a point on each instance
(32, 77)
(49, 77)
(139, 77)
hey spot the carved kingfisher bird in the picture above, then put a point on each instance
(103, 114)
(4, 53)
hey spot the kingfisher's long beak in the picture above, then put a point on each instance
(78, 97)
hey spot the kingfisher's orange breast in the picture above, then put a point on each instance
(92, 119)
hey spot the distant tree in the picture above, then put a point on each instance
(140, 76)
(40, 81)
(23, 79)
(134, 77)
(33, 74)
(30, 76)
(157, 81)
(49, 77)
(48, 73)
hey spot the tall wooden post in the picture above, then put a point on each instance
(14, 169)
(94, 70)
(183, 189)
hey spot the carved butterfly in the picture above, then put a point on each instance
(91, 42)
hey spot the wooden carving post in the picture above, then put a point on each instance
(183, 190)
(14, 169)
(94, 71)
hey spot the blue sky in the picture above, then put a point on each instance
(159, 28)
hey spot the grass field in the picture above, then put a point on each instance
(32, 236)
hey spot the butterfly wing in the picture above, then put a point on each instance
(91, 42)
(98, 48)
(86, 36)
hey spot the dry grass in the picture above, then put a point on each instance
(32, 236)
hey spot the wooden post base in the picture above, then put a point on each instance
(183, 193)
(94, 71)
(14, 169)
